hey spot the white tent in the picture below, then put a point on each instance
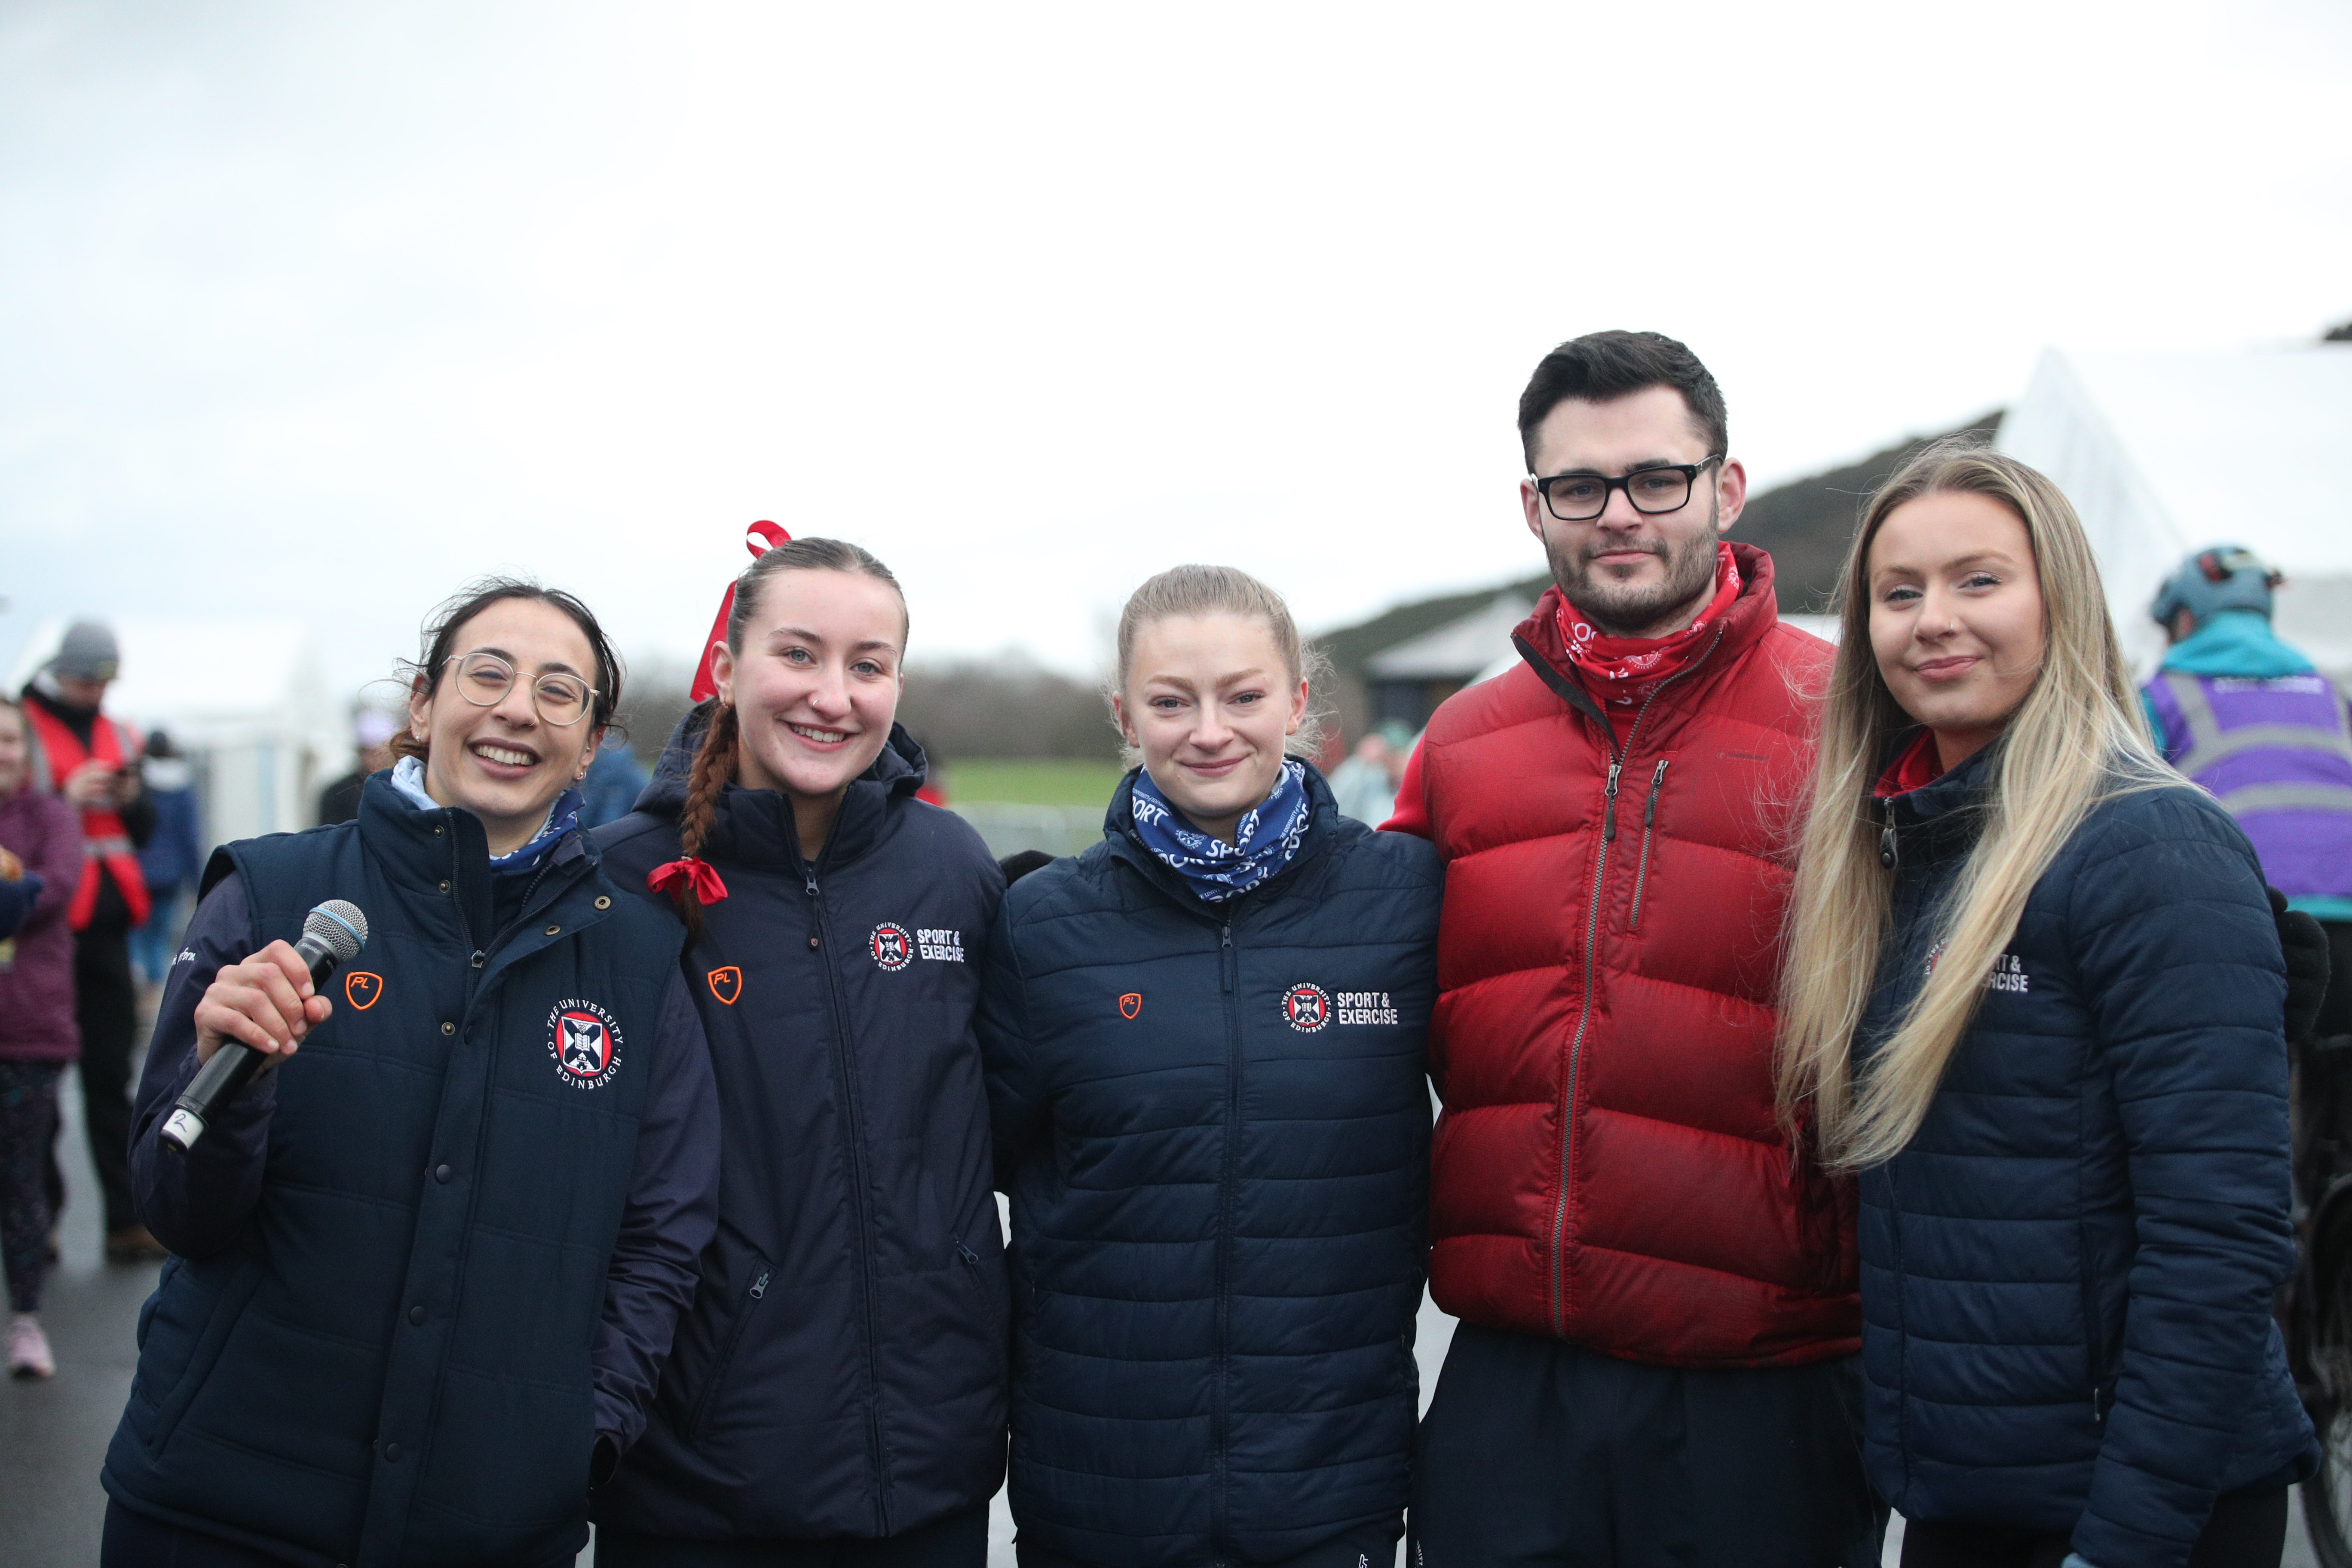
(2165, 454)
(245, 698)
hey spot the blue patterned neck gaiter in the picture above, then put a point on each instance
(1265, 839)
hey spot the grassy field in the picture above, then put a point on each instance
(1032, 781)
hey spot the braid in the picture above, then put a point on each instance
(714, 765)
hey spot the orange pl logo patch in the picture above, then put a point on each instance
(363, 990)
(727, 983)
(1130, 1005)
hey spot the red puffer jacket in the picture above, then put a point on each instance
(1608, 1168)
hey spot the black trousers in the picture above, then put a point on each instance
(2248, 1530)
(106, 1004)
(958, 1541)
(1537, 1454)
(1374, 1547)
(134, 1541)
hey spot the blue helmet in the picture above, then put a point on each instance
(2226, 577)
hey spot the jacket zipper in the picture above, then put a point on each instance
(709, 1394)
(1228, 976)
(855, 1142)
(1649, 823)
(1617, 756)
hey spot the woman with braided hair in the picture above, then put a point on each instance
(837, 1393)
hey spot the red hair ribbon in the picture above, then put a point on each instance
(695, 872)
(759, 539)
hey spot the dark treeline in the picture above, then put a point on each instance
(1004, 706)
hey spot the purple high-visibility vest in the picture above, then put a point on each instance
(2278, 755)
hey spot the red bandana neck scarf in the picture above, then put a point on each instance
(1919, 765)
(1625, 670)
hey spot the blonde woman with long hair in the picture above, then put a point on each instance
(2033, 995)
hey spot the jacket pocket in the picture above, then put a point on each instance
(2095, 1329)
(147, 1309)
(991, 1310)
(202, 1352)
(742, 1306)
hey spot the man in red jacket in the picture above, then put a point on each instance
(1656, 1358)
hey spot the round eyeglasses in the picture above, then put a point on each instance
(1581, 498)
(485, 678)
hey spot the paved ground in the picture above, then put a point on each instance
(53, 1434)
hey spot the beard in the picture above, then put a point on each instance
(1629, 609)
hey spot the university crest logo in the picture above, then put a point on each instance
(893, 945)
(585, 1042)
(1307, 1007)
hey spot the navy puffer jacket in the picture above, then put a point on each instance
(1213, 1124)
(841, 1371)
(2067, 1275)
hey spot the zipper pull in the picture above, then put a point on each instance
(968, 1255)
(760, 1285)
(1657, 782)
(1609, 812)
(811, 874)
(1887, 845)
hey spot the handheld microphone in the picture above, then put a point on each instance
(333, 934)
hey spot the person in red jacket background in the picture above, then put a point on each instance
(1657, 1361)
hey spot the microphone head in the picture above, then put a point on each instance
(339, 927)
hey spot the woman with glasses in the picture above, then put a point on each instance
(837, 1396)
(2034, 994)
(427, 1265)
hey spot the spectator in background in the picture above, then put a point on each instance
(2249, 717)
(40, 853)
(172, 858)
(614, 780)
(92, 761)
(1365, 785)
(372, 733)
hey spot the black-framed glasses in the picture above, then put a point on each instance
(1581, 498)
(485, 678)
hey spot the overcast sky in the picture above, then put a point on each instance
(321, 309)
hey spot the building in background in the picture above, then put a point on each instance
(1400, 664)
(2163, 454)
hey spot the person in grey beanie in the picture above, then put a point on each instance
(93, 761)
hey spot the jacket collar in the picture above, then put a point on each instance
(1945, 814)
(2236, 643)
(1754, 614)
(1126, 846)
(444, 849)
(754, 827)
